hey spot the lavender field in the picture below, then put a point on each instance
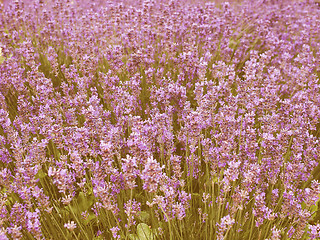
(158, 119)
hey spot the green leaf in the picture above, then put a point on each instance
(144, 232)
(314, 208)
(82, 203)
(40, 174)
(91, 219)
(133, 237)
(144, 216)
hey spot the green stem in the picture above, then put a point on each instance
(56, 223)
(75, 235)
(169, 222)
(78, 222)
(251, 228)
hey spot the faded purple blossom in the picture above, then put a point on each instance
(224, 225)
(152, 175)
(130, 171)
(314, 231)
(276, 234)
(3, 234)
(132, 207)
(114, 231)
(33, 223)
(71, 225)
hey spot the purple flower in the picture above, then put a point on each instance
(130, 171)
(3, 235)
(33, 223)
(114, 231)
(132, 207)
(152, 175)
(314, 231)
(71, 225)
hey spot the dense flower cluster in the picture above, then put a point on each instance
(198, 119)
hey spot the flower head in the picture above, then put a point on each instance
(71, 225)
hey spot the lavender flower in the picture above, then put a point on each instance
(152, 175)
(198, 110)
(130, 171)
(70, 225)
(132, 207)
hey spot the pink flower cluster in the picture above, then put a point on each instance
(117, 109)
